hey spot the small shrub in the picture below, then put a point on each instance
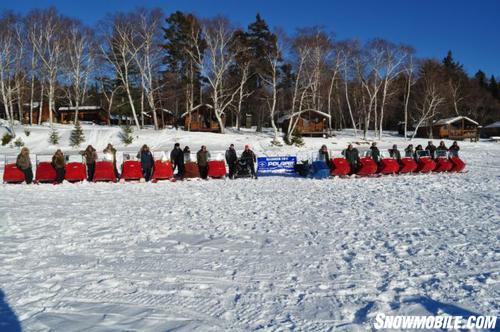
(126, 135)
(54, 137)
(6, 138)
(295, 139)
(18, 143)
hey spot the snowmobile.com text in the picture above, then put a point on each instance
(434, 322)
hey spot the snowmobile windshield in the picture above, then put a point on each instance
(423, 153)
(365, 153)
(441, 154)
(218, 155)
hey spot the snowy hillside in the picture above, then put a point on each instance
(274, 254)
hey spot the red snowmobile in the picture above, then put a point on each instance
(12, 174)
(45, 171)
(131, 169)
(217, 167)
(105, 170)
(162, 169)
(425, 164)
(367, 166)
(340, 167)
(443, 164)
(75, 171)
(387, 165)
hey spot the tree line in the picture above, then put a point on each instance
(141, 62)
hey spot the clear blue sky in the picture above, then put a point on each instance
(470, 28)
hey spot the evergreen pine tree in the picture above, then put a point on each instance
(481, 79)
(493, 87)
(54, 137)
(126, 134)
(77, 136)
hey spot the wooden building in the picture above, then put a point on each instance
(311, 123)
(491, 130)
(95, 114)
(456, 128)
(201, 118)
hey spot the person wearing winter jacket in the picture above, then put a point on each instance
(417, 149)
(375, 152)
(442, 147)
(177, 159)
(111, 152)
(231, 160)
(59, 163)
(187, 154)
(431, 148)
(454, 148)
(324, 155)
(351, 154)
(23, 162)
(90, 156)
(147, 162)
(394, 153)
(409, 151)
(202, 157)
(249, 156)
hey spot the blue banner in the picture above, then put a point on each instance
(276, 165)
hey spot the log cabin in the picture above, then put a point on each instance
(311, 123)
(456, 128)
(201, 118)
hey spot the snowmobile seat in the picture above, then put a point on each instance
(75, 172)
(12, 174)
(104, 171)
(45, 172)
(131, 170)
(458, 164)
(407, 165)
(340, 167)
(216, 168)
(162, 170)
(191, 170)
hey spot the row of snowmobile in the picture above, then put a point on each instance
(367, 166)
(105, 170)
(131, 170)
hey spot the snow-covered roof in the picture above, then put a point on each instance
(195, 108)
(283, 118)
(493, 125)
(454, 119)
(80, 108)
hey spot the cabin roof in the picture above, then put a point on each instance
(80, 108)
(448, 121)
(493, 125)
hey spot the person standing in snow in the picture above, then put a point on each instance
(202, 157)
(187, 154)
(324, 155)
(23, 162)
(351, 154)
(394, 152)
(454, 148)
(249, 156)
(147, 162)
(90, 156)
(177, 159)
(442, 147)
(59, 163)
(111, 152)
(431, 148)
(409, 151)
(375, 152)
(231, 160)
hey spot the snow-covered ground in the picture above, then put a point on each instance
(274, 254)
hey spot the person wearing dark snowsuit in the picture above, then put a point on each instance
(177, 159)
(147, 162)
(431, 148)
(409, 151)
(111, 151)
(202, 157)
(23, 162)
(417, 149)
(248, 156)
(375, 152)
(231, 160)
(59, 163)
(324, 155)
(394, 153)
(90, 156)
(351, 154)
(454, 148)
